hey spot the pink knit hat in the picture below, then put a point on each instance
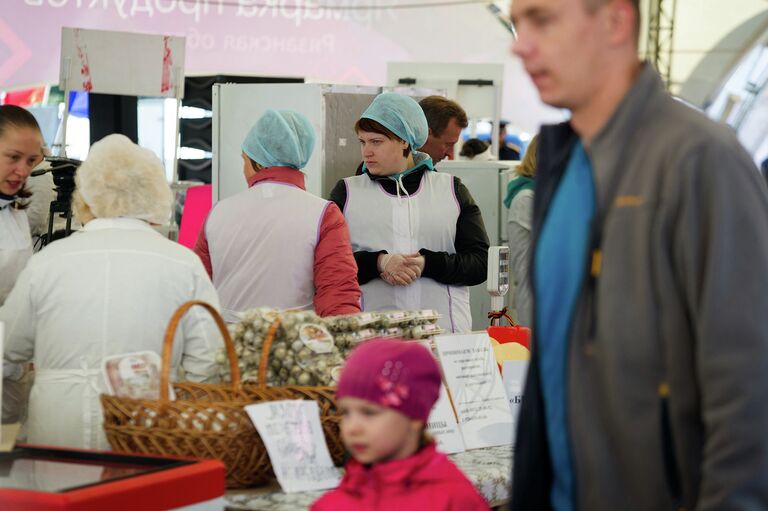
(400, 375)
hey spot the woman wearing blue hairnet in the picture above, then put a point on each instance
(275, 244)
(417, 235)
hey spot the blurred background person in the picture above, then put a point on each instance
(275, 244)
(476, 149)
(507, 150)
(519, 201)
(108, 289)
(413, 250)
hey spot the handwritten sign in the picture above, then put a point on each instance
(443, 427)
(295, 443)
(513, 373)
(478, 394)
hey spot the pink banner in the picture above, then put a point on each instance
(342, 41)
(333, 41)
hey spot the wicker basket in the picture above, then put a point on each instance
(208, 420)
(324, 396)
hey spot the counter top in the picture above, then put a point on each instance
(489, 469)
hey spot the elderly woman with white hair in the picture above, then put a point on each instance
(108, 289)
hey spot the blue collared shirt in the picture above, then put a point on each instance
(559, 271)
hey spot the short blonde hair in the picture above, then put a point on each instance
(121, 179)
(528, 166)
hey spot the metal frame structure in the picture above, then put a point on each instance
(661, 35)
(756, 83)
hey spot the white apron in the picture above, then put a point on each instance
(262, 245)
(404, 224)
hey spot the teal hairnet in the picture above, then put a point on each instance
(280, 138)
(401, 115)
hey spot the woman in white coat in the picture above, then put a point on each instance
(21, 149)
(108, 289)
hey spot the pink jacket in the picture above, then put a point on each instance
(335, 271)
(426, 481)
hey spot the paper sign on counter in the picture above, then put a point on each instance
(443, 427)
(441, 423)
(478, 394)
(295, 443)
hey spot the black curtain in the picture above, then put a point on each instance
(110, 113)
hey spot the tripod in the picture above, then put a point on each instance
(63, 170)
(62, 207)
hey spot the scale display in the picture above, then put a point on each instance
(498, 270)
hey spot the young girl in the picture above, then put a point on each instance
(385, 394)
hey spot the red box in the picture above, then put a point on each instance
(37, 478)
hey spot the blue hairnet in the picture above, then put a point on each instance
(280, 138)
(401, 115)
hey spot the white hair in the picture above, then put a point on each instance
(121, 179)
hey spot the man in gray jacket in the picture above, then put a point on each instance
(648, 386)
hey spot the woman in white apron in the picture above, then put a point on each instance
(417, 235)
(275, 244)
(21, 149)
(108, 289)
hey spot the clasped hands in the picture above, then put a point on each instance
(400, 269)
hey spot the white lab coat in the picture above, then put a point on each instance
(15, 246)
(15, 251)
(108, 289)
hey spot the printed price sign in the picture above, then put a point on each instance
(478, 394)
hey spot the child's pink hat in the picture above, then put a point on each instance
(395, 374)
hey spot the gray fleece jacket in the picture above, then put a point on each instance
(667, 384)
